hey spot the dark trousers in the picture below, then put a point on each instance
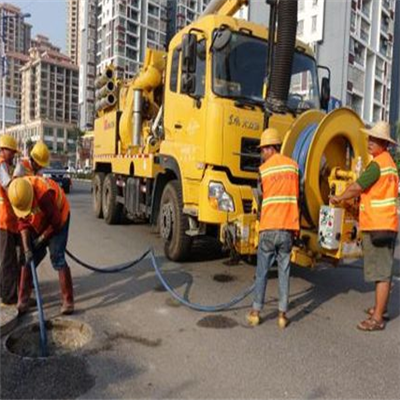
(9, 267)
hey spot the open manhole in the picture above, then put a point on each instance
(63, 336)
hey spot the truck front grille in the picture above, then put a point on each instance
(249, 155)
(247, 206)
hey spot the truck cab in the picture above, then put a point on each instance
(214, 115)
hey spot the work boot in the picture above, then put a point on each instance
(283, 321)
(25, 289)
(67, 294)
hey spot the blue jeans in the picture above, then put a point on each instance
(57, 245)
(273, 245)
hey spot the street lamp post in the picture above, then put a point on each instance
(4, 71)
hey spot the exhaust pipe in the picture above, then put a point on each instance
(106, 102)
(105, 90)
(279, 80)
(137, 117)
(103, 78)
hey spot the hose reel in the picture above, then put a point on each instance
(319, 143)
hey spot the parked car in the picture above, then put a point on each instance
(59, 174)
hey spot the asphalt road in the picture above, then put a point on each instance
(145, 345)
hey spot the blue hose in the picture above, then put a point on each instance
(195, 306)
(300, 154)
(173, 293)
(42, 324)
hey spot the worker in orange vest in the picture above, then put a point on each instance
(43, 220)
(9, 268)
(379, 220)
(279, 222)
(39, 158)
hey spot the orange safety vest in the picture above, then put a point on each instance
(27, 167)
(8, 220)
(280, 184)
(41, 186)
(378, 208)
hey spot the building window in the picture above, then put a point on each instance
(314, 24)
(173, 86)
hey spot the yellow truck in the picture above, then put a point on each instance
(177, 144)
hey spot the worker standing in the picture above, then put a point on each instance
(39, 158)
(9, 268)
(379, 221)
(279, 223)
(43, 220)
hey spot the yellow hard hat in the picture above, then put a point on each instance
(270, 137)
(40, 154)
(8, 142)
(20, 194)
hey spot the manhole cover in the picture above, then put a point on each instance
(217, 322)
(8, 319)
(63, 336)
(224, 278)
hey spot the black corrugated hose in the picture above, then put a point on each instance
(279, 82)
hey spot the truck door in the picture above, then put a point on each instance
(185, 114)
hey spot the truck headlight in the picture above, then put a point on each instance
(219, 198)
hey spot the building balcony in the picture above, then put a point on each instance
(386, 5)
(366, 10)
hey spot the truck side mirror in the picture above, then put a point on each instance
(189, 53)
(188, 83)
(325, 93)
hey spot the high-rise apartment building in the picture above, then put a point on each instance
(73, 7)
(87, 39)
(181, 13)
(354, 38)
(17, 35)
(125, 28)
(49, 101)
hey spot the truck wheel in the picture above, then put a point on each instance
(112, 210)
(97, 192)
(174, 224)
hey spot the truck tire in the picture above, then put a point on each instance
(112, 210)
(97, 193)
(173, 223)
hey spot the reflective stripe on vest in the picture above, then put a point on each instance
(280, 183)
(378, 207)
(27, 166)
(8, 220)
(279, 200)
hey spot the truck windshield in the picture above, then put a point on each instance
(239, 71)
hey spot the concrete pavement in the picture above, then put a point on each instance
(145, 345)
